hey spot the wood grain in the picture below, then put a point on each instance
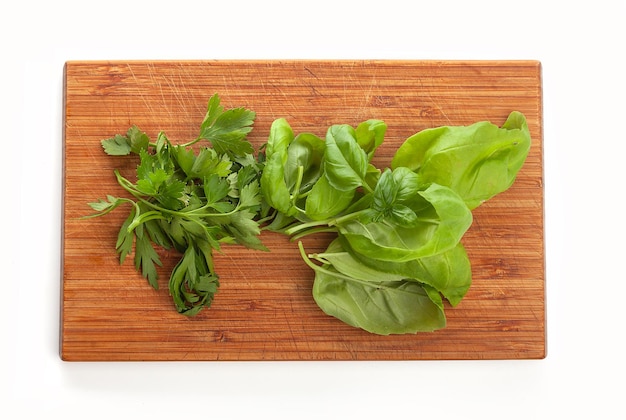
(264, 309)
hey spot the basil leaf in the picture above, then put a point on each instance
(345, 162)
(449, 272)
(275, 190)
(304, 160)
(381, 308)
(280, 137)
(443, 219)
(369, 135)
(346, 263)
(392, 192)
(477, 161)
(325, 201)
(273, 184)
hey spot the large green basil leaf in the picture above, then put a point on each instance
(442, 220)
(449, 272)
(345, 162)
(477, 161)
(381, 308)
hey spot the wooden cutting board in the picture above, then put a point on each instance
(264, 309)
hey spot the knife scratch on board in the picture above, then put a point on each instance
(138, 83)
(154, 77)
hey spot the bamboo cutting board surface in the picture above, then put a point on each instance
(264, 309)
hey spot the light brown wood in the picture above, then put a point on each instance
(264, 309)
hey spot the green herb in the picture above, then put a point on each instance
(398, 251)
(188, 199)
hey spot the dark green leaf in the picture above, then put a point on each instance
(147, 164)
(137, 139)
(146, 257)
(155, 230)
(250, 195)
(125, 238)
(116, 146)
(192, 283)
(164, 153)
(208, 162)
(172, 194)
(185, 158)
(214, 110)
(152, 182)
(215, 189)
(228, 132)
(247, 174)
(245, 229)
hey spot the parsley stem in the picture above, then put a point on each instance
(128, 186)
(144, 217)
(191, 143)
(116, 201)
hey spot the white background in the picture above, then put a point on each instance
(581, 47)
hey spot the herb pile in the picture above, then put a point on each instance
(397, 253)
(187, 200)
(398, 250)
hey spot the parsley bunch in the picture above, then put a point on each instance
(189, 199)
